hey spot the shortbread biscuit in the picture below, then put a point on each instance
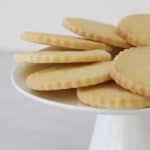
(69, 76)
(63, 41)
(95, 31)
(62, 56)
(136, 29)
(131, 70)
(110, 95)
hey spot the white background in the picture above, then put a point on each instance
(46, 15)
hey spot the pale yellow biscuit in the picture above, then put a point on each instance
(63, 41)
(110, 95)
(69, 76)
(59, 56)
(131, 70)
(136, 29)
(95, 31)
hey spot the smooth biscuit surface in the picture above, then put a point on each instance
(63, 56)
(131, 70)
(136, 29)
(95, 31)
(69, 76)
(63, 41)
(110, 95)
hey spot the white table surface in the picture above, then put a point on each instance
(29, 125)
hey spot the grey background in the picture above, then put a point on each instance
(29, 125)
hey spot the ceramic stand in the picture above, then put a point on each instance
(121, 132)
(114, 130)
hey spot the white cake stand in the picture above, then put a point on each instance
(114, 129)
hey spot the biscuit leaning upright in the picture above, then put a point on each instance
(69, 76)
(136, 29)
(131, 70)
(63, 41)
(95, 31)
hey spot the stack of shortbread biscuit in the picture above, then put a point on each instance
(92, 61)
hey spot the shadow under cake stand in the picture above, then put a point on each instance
(114, 129)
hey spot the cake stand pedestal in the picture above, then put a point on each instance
(121, 132)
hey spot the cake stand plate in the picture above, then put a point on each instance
(114, 129)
